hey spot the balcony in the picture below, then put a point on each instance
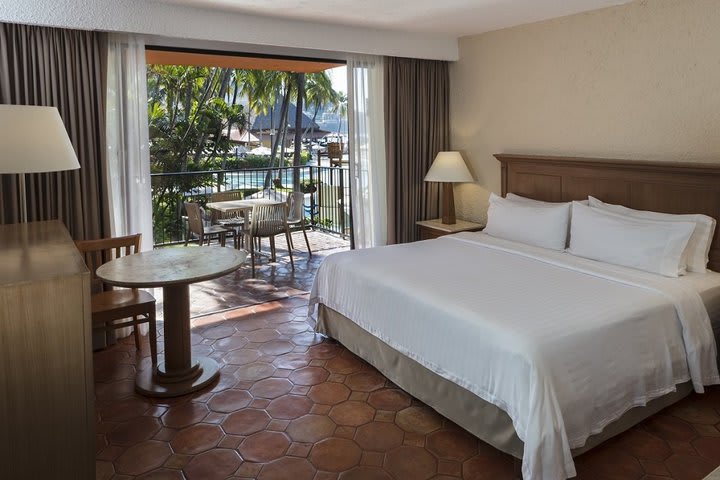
(327, 211)
(327, 195)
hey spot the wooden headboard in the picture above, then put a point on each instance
(658, 186)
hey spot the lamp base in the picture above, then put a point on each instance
(23, 198)
(448, 204)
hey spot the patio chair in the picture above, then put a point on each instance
(233, 221)
(296, 216)
(197, 226)
(267, 221)
(334, 153)
(109, 306)
(227, 195)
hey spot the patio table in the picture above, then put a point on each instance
(240, 206)
(174, 269)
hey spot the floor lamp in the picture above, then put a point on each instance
(448, 167)
(33, 140)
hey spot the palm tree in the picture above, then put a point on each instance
(318, 93)
(261, 89)
(300, 96)
(341, 109)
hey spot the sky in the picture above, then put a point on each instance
(338, 77)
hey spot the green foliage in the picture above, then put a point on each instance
(189, 122)
(308, 187)
(191, 111)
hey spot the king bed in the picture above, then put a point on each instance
(538, 352)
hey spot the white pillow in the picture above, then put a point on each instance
(544, 226)
(698, 248)
(653, 246)
(537, 203)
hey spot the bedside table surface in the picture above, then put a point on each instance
(458, 226)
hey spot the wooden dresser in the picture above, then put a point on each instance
(46, 383)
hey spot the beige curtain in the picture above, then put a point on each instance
(417, 126)
(64, 69)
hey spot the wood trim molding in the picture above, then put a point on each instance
(240, 60)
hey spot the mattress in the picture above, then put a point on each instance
(565, 345)
(707, 285)
(483, 419)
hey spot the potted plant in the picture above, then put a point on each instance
(308, 187)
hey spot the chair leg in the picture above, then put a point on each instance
(307, 242)
(222, 239)
(201, 239)
(152, 334)
(287, 235)
(252, 254)
(136, 331)
(272, 248)
(291, 245)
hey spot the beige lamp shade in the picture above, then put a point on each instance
(34, 139)
(448, 167)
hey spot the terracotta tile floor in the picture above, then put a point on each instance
(274, 280)
(290, 405)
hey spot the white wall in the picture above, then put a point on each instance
(639, 81)
(180, 22)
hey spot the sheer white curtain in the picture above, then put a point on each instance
(127, 139)
(128, 153)
(366, 147)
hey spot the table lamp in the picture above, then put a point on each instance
(448, 167)
(33, 140)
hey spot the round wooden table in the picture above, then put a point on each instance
(174, 269)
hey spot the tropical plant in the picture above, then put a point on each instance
(188, 113)
(340, 107)
(192, 111)
(319, 93)
(299, 98)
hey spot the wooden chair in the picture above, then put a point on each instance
(296, 216)
(109, 305)
(334, 153)
(196, 226)
(267, 221)
(226, 196)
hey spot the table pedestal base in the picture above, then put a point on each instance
(149, 382)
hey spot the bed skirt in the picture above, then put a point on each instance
(483, 419)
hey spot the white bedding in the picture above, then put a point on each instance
(564, 345)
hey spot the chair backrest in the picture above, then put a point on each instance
(267, 220)
(195, 221)
(296, 201)
(98, 252)
(227, 196)
(334, 150)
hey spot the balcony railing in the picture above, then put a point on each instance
(327, 199)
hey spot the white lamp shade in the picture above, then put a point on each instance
(448, 167)
(34, 139)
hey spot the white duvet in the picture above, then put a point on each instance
(563, 344)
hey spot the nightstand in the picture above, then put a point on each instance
(435, 228)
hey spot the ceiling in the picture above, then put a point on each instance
(449, 17)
